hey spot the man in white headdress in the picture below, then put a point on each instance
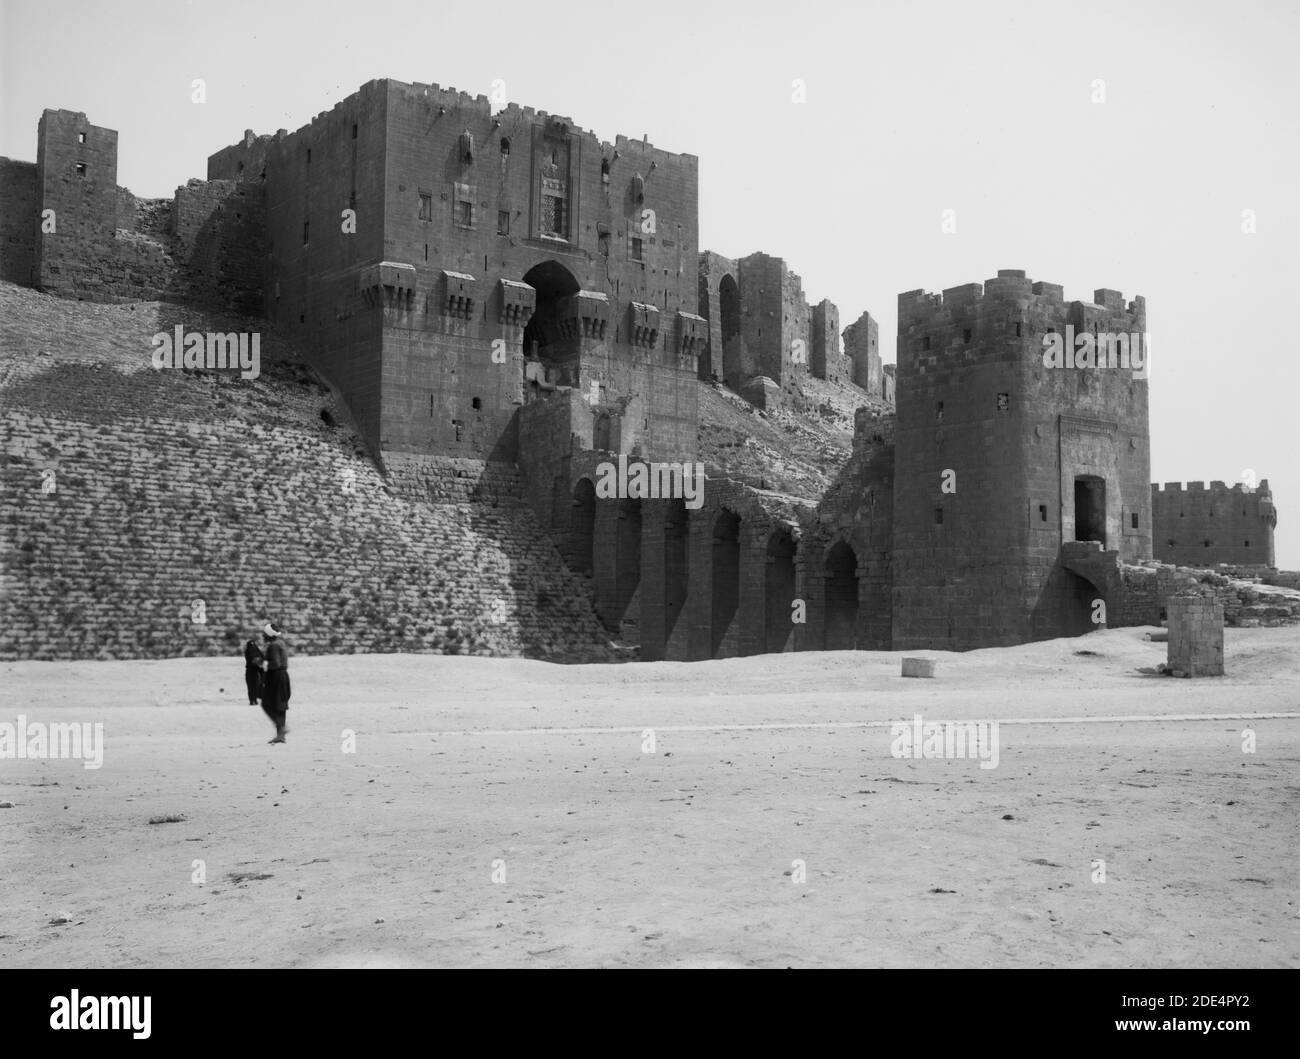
(275, 687)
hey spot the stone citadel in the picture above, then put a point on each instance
(501, 305)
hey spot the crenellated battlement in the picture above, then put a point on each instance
(1198, 488)
(463, 107)
(917, 305)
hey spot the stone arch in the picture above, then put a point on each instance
(1080, 595)
(840, 597)
(627, 562)
(729, 324)
(726, 577)
(676, 563)
(582, 526)
(778, 590)
(553, 283)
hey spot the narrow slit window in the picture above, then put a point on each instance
(938, 516)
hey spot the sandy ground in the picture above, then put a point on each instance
(610, 856)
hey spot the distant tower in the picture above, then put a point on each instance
(76, 178)
(861, 344)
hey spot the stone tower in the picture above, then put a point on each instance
(1019, 486)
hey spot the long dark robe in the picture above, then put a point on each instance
(275, 687)
(253, 671)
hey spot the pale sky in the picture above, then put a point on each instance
(911, 109)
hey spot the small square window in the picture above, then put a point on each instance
(81, 137)
(505, 146)
(81, 169)
(464, 213)
(426, 206)
(503, 222)
(636, 249)
(1042, 512)
(476, 403)
(1134, 518)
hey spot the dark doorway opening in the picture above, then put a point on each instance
(841, 598)
(582, 526)
(726, 577)
(779, 592)
(1090, 508)
(1081, 597)
(542, 339)
(676, 564)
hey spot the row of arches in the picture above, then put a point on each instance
(704, 584)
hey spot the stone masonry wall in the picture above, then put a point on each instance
(1203, 527)
(18, 208)
(1195, 636)
(137, 493)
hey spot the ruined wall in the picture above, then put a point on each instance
(106, 245)
(245, 160)
(826, 359)
(1197, 526)
(981, 565)
(76, 177)
(723, 321)
(1247, 601)
(19, 219)
(219, 236)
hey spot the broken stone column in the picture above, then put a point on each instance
(1195, 636)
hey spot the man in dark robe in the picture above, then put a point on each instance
(253, 671)
(275, 686)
